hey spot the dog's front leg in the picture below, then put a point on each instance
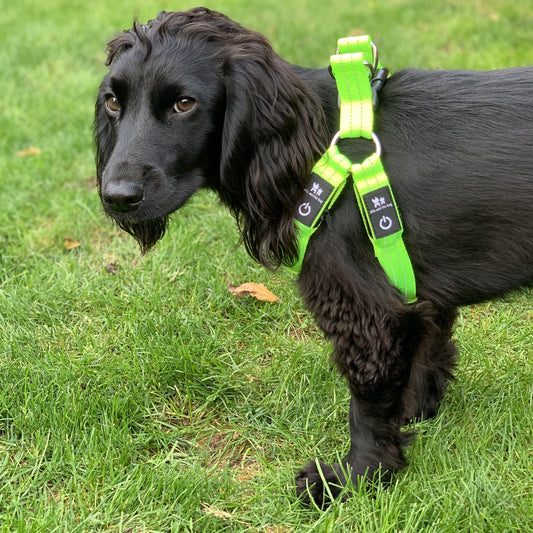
(376, 445)
(374, 349)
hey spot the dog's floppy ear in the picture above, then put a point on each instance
(104, 137)
(274, 130)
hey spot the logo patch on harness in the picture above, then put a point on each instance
(382, 213)
(315, 197)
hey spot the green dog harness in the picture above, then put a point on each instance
(354, 66)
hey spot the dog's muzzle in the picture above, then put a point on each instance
(122, 196)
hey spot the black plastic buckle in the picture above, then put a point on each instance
(377, 83)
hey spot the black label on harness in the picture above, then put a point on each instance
(314, 198)
(382, 212)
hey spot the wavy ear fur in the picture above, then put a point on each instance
(274, 127)
(274, 131)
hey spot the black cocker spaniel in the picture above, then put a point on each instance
(193, 99)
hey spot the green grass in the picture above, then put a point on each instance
(151, 400)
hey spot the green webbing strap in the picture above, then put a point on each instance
(355, 98)
(353, 68)
(361, 44)
(327, 182)
(351, 72)
(383, 224)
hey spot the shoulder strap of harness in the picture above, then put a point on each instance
(354, 67)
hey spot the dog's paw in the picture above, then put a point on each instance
(318, 482)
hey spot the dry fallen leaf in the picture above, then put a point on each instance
(70, 244)
(257, 290)
(30, 151)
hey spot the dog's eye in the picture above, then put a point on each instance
(184, 104)
(112, 105)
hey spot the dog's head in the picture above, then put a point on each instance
(193, 99)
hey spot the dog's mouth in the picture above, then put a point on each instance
(138, 210)
(141, 205)
(145, 232)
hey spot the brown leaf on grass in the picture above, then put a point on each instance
(257, 290)
(70, 244)
(29, 151)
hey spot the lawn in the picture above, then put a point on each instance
(138, 395)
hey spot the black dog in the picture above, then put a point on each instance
(195, 100)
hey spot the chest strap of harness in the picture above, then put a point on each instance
(355, 68)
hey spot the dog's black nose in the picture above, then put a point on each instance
(123, 195)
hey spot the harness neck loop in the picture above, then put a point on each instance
(356, 69)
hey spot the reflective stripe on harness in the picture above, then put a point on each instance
(354, 67)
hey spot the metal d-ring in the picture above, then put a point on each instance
(335, 139)
(373, 67)
(375, 138)
(377, 144)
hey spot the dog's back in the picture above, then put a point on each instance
(458, 147)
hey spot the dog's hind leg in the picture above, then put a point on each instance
(432, 367)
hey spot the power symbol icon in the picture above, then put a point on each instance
(385, 223)
(305, 209)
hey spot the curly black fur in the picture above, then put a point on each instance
(458, 149)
